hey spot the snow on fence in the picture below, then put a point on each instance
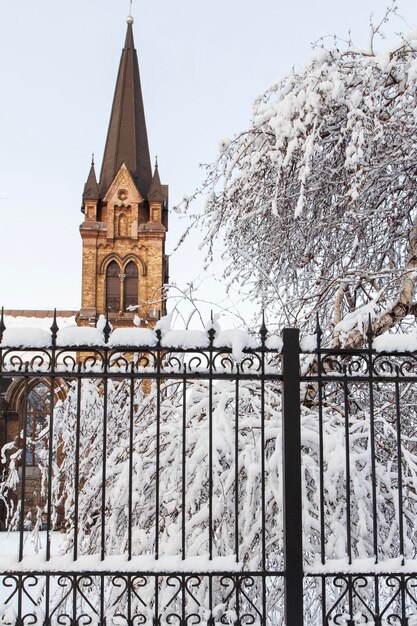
(206, 478)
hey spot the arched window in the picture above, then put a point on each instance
(122, 229)
(37, 411)
(113, 287)
(131, 285)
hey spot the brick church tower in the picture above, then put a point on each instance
(124, 266)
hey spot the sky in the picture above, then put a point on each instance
(202, 65)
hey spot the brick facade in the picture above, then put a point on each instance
(123, 227)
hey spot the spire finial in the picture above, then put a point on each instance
(156, 162)
(92, 160)
(130, 19)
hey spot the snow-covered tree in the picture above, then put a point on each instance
(316, 200)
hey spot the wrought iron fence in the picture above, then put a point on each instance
(170, 479)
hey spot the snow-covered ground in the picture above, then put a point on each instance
(62, 560)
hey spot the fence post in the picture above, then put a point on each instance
(291, 448)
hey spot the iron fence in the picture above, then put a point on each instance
(155, 483)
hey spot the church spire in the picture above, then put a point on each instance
(91, 191)
(156, 191)
(127, 138)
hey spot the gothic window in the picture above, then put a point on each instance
(113, 287)
(131, 286)
(37, 411)
(122, 226)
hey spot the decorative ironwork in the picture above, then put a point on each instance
(171, 544)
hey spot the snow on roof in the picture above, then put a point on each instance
(40, 319)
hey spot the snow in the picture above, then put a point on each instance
(237, 340)
(26, 338)
(135, 337)
(274, 342)
(185, 339)
(101, 323)
(213, 323)
(359, 317)
(164, 324)
(76, 336)
(363, 566)
(61, 562)
(313, 155)
(308, 343)
(396, 343)
(44, 323)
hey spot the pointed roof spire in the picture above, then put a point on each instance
(127, 138)
(91, 190)
(156, 191)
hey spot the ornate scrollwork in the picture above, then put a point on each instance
(120, 362)
(408, 366)
(191, 583)
(40, 362)
(355, 602)
(65, 362)
(383, 366)
(346, 365)
(252, 362)
(129, 585)
(357, 365)
(222, 361)
(241, 601)
(94, 362)
(10, 580)
(331, 364)
(228, 582)
(83, 583)
(67, 585)
(172, 362)
(12, 362)
(244, 583)
(15, 360)
(332, 615)
(198, 361)
(124, 583)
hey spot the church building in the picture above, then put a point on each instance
(124, 266)
(125, 214)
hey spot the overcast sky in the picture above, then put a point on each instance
(202, 64)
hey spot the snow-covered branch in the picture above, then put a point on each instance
(321, 190)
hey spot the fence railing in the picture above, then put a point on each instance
(206, 478)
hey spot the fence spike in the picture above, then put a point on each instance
(211, 331)
(107, 328)
(2, 324)
(158, 334)
(263, 331)
(54, 329)
(369, 331)
(211, 334)
(318, 331)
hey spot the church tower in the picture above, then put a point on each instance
(124, 266)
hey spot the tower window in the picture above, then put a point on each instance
(131, 297)
(113, 287)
